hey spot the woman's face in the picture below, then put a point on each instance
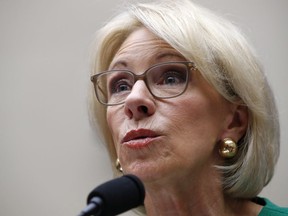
(157, 138)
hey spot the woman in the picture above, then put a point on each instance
(183, 104)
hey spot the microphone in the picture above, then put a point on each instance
(115, 197)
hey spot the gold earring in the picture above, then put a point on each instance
(228, 148)
(118, 165)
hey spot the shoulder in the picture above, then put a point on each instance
(269, 208)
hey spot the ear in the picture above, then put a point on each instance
(237, 123)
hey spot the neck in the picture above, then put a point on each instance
(201, 196)
(181, 197)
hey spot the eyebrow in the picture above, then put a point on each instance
(169, 54)
(120, 62)
(158, 57)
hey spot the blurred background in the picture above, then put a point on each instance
(50, 157)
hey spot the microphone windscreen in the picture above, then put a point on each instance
(119, 195)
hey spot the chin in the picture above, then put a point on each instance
(146, 171)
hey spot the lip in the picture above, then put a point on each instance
(139, 138)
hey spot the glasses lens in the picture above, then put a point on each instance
(114, 86)
(167, 80)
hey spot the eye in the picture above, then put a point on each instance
(119, 83)
(172, 76)
(171, 79)
(120, 86)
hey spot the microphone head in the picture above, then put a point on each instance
(119, 195)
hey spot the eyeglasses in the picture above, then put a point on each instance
(164, 80)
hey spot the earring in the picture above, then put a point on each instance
(228, 148)
(118, 165)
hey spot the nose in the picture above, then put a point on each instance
(139, 103)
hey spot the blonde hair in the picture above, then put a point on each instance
(225, 60)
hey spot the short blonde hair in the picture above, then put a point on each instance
(226, 60)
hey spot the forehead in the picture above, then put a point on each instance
(142, 45)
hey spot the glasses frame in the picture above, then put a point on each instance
(190, 66)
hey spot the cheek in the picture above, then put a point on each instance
(195, 135)
(201, 117)
(114, 121)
